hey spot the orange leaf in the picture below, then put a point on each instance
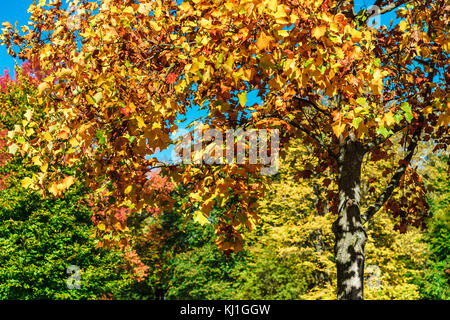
(264, 41)
(338, 128)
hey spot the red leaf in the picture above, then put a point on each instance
(171, 78)
(125, 111)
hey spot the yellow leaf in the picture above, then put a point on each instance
(242, 98)
(132, 107)
(263, 41)
(155, 26)
(36, 161)
(356, 35)
(319, 31)
(26, 182)
(145, 8)
(428, 110)
(283, 33)
(44, 167)
(402, 25)
(140, 122)
(74, 142)
(12, 149)
(444, 119)
(128, 10)
(156, 125)
(200, 218)
(185, 6)
(66, 183)
(47, 136)
(53, 189)
(101, 226)
(338, 128)
(64, 73)
(42, 87)
(128, 189)
(98, 97)
(389, 118)
(89, 99)
(28, 114)
(272, 4)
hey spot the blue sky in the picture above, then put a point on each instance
(12, 11)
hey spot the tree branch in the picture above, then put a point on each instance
(381, 139)
(395, 181)
(382, 10)
(391, 6)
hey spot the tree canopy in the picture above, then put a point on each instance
(117, 75)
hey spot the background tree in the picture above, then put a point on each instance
(41, 238)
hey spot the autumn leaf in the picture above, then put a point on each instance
(171, 78)
(242, 98)
(319, 31)
(42, 87)
(263, 42)
(200, 218)
(338, 128)
(388, 119)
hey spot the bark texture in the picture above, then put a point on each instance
(348, 228)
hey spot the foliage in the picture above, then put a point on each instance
(117, 74)
(337, 65)
(435, 281)
(184, 262)
(41, 238)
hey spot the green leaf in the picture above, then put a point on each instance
(407, 109)
(100, 136)
(398, 117)
(356, 121)
(384, 132)
(322, 69)
(362, 102)
(377, 62)
(307, 63)
(408, 117)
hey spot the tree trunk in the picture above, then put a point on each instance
(348, 229)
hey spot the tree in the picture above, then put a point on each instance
(291, 252)
(119, 73)
(435, 280)
(46, 248)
